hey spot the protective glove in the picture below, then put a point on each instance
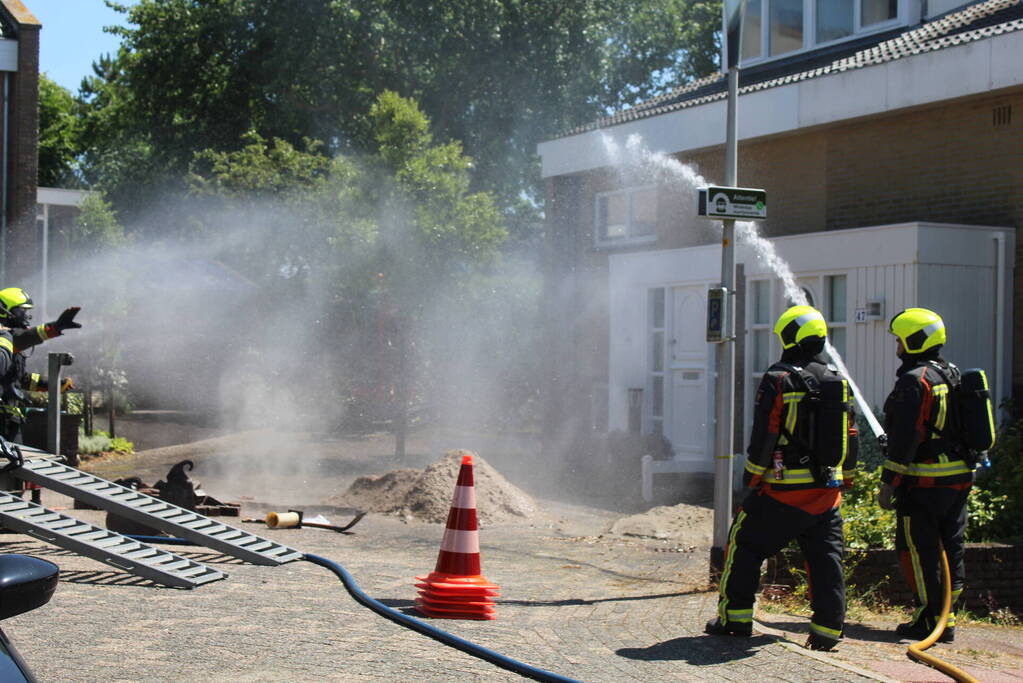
(886, 497)
(66, 320)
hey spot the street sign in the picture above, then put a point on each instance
(732, 202)
(717, 312)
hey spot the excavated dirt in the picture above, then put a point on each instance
(426, 494)
(689, 525)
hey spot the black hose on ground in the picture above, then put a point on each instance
(401, 619)
(433, 632)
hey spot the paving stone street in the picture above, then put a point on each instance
(589, 608)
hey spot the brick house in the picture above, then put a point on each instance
(887, 136)
(19, 142)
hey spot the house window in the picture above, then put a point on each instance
(626, 216)
(773, 28)
(836, 311)
(786, 26)
(752, 43)
(656, 336)
(760, 327)
(878, 11)
(835, 19)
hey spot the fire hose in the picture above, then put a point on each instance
(916, 650)
(405, 620)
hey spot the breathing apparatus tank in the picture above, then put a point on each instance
(835, 431)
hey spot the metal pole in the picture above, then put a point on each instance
(724, 361)
(56, 361)
(43, 302)
(3, 176)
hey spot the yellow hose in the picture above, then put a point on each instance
(916, 650)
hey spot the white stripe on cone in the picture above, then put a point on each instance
(465, 497)
(455, 541)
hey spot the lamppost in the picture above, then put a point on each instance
(735, 10)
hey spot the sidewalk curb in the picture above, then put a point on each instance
(787, 641)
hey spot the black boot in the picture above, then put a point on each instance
(820, 643)
(733, 628)
(921, 628)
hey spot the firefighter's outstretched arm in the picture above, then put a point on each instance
(33, 336)
(767, 422)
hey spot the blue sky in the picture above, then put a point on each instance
(72, 37)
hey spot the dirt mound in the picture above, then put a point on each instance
(426, 494)
(687, 524)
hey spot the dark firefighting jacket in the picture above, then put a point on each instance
(781, 423)
(923, 448)
(14, 380)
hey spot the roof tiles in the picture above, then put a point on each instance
(975, 22)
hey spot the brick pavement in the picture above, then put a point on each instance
(595, 609)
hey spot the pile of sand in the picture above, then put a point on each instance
(685, 524)
(426, 494)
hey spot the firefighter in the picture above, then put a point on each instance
(925, 478)
(17, 335)
(794, 489)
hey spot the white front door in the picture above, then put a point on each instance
(688, 401)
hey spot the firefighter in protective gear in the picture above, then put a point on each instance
(926, 478)
(17, 335)
(786, 498)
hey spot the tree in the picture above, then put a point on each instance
(500, 75)
(58, 135)
(386, 235)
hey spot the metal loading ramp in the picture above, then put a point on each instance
(154, 512)
(102, 544)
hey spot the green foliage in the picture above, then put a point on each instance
(1002, 482)
(500, 76)
(58, 135)
(100, 442)
(275, 168)
(96, 228)
(866, 524)
(121, 445)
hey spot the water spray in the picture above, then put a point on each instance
(747, 232)
(639, 163)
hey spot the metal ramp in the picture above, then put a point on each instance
(154, 512)
(101, 544)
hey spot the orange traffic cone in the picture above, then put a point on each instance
(455, 589)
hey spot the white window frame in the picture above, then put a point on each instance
(651, 423)
(826, 285)
(751, 315)
(810, 30)
(629, 238)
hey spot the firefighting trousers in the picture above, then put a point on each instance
(930, 519)
(761, 528)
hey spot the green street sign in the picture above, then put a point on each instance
(740, 203)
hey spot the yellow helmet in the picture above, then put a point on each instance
(918, 329)
(15, 296)
(14, 307)
(798, 323)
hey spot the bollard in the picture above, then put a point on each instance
(56, 362)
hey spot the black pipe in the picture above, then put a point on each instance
(401, 619)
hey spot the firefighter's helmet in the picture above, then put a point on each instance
(799, 323)
(14, 307)
(918, 329)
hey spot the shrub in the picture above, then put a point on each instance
(100, 442)
(1002, 482)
